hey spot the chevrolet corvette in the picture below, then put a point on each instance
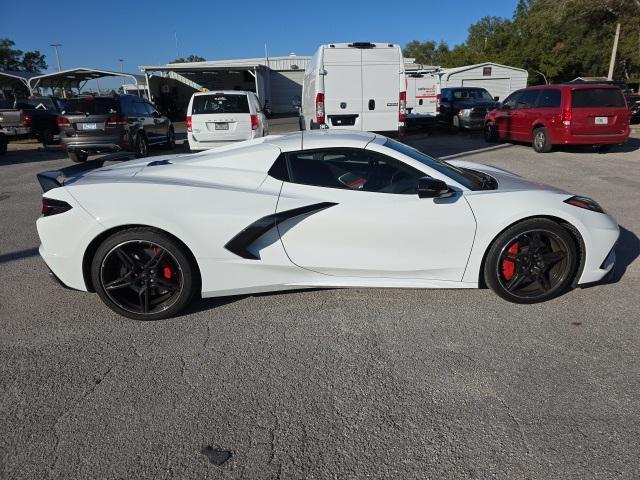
(311, 210)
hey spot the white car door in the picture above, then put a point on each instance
(369, 221)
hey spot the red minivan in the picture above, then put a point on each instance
(564, 114)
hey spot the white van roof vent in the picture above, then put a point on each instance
(362, 45)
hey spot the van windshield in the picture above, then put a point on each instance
(469, 179)
(220, 103)
(597, 97)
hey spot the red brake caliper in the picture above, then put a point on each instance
(509, 265)
(166, 270)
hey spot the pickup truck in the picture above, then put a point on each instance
(31, 117)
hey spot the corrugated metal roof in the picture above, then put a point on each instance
(288, 62)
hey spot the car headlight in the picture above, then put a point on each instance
(465, 112)
(584, 202)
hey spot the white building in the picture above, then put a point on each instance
(499, 80)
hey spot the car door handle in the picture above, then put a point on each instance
(372, 104)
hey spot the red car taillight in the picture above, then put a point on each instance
(438, 103)
(402, 107)
(189, 124)
(63, 121)
(54, 207)
(254, 122)
(116, 120)
(565, 117)
(26, 119)
(320, 108)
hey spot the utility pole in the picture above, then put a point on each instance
(612, 63)
(56, 46)
(122, 71)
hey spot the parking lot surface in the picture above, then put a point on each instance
(327, 383)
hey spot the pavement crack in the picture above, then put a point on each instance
(518, 425)
(184, 373)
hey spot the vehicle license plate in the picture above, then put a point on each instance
(222, 126)
(602, 120)
(89, 126)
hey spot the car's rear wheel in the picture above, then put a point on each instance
(143, 274)
(46, 136)
(3, 144)
(541, 142)
(78, 156)
(170, 144)
(532, 261)
(490, 133)
(142, 146)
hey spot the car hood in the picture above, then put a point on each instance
(488, 104)
(507, 181)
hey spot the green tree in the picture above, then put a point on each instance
(17, 60)
(189, 59)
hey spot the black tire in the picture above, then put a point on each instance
(46, 136)
(130, 278)
(142, 146)
(455, 127)
(170, 144)
(539, 268)
(541, 142)
(77, 156)
(3, 144)
(490, 133)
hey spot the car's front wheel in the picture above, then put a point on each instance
(532, 261)
(490, 133)
(144, 274)
(142, 146)
(170, 144)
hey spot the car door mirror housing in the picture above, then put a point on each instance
(497, 99)
(429, 187)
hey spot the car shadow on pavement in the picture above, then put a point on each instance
(18, 255)
(627, 250)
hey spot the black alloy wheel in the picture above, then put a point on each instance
(143, 274)
(531, 262)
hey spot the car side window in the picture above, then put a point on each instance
(352, 169)
(528, 99)
(549, 99)
(512, 100)
(127, 106)
(151, 109)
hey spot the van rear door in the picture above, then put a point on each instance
(221, 117)
(598, 111)
(343, 87)
(381, 78)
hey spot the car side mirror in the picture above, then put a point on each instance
(496, 99)
(429, 187)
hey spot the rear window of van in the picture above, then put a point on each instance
(219, 103)
(597, 97)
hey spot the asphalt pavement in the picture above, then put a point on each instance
(336, 384)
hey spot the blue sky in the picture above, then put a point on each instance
(96, 34)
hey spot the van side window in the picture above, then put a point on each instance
(528, 99)
(352, 169)
(512, 100)
(549, 99)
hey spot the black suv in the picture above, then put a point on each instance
(465, 107)
(111, 124)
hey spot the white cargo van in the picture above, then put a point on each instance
(423, 89)
(356, 86)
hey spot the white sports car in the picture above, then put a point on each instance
(308, 210)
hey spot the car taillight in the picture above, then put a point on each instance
(63, 121)
(115, 120)
(438, 103)
(188, 121)
(565, 117)
(51, 206)
(402, 107)
(254, 122)
(320, 108)
(26, 119)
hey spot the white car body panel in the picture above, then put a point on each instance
(367, 239)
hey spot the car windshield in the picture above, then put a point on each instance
(91, 106)
(220, 103)
(472, 94)
(471, 180)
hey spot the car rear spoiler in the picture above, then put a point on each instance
(57, 178)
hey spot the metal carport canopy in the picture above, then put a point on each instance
(13, 76)
(74, 76)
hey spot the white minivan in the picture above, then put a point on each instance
(357, 86)
(219, 118)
